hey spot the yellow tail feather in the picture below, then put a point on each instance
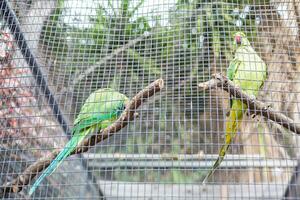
(232, 124)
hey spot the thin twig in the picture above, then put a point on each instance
(255, 106)
(82, 75)
(128, 115)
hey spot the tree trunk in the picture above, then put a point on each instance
(278, 44)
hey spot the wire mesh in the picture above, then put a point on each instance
(71, 48)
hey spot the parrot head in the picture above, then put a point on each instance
(111, 100)
(125, 100)
(240, 39)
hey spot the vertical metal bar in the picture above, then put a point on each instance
(11, 19)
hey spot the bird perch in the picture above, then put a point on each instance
(255, 106)
(128, 115)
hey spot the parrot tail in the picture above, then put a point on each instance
(70, 146)
(232, 124)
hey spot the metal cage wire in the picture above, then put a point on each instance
(54, 54)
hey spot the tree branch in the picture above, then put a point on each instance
(255, 106)
(82, 74)
(128, 115)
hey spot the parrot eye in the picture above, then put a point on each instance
(238, 39)
(121, 108)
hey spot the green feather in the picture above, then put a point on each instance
(231, 70)
(100, 110)
(248, 71)
(70, 146)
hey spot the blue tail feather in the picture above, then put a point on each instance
(70, 146)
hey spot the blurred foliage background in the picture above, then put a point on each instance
(126, 45)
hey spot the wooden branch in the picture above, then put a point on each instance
(128, 115)
(255, 106)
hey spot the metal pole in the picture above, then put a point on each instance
(11, 19)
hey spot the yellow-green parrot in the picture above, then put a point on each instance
(248, 71)
(100, 110)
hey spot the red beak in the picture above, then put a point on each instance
(238, 39)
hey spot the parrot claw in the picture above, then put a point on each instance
(248, 113)
(252, 98)
(136, 114)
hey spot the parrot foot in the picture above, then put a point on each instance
(136, 114)
(270, 105)
(251, 115)
(259, 119)
(248, 113)
(252, 98)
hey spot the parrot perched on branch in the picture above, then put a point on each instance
(99, 111)
(248, 71)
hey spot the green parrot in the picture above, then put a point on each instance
(248, 71)
(100, 110)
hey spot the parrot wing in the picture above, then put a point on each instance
(102, 105)
(80, 131)
(231, 70)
